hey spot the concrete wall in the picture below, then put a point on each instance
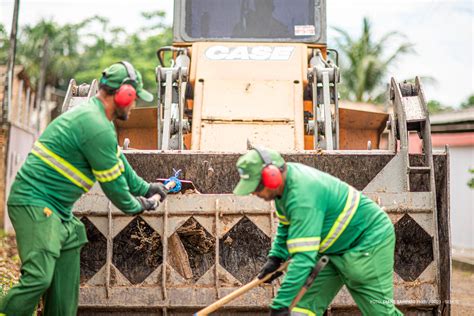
(3, 135)
(22, 115)
(461, 148)
(21, 141)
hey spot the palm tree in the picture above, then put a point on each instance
(80, 51)
(64, 49)
(366, 62)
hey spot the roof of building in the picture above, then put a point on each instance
(451, 117)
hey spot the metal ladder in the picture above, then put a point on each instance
(172, 82)
(324, 77)
(75, 95)
(411, 113)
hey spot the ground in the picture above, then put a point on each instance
(9, 263)
(462, 282)
(462, 292)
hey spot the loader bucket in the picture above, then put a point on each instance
(132, 264)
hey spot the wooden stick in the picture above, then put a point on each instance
(244, 289)
(179, 257)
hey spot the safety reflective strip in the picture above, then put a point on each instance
(298, 311)
(303, 244)
(282, 219)
(109, 174)
(119, 151)
(62, 166)
(342, 220)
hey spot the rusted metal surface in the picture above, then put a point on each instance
(359, 127)
(140, 129)
(142, 277)
(441, 164)
(216, 172)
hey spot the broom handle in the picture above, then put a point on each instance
(231, 296)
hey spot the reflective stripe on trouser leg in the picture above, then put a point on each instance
(298, 311)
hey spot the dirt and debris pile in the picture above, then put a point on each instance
(9, 263)
(199, 248)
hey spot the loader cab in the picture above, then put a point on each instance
(295, 21)
(249, 71)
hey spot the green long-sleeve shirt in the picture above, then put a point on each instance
(74, 151)
(321, 214)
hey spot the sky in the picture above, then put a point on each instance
(442, 31)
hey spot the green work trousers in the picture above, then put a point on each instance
(367, 274)
(50, 255)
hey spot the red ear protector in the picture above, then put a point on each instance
(126, 93)
(271, 174)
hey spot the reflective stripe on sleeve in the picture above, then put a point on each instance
(62, 166)
(342, 220)
(109, 174)
(298, 311)
(122, 167)
(303, 244)
(282, 219)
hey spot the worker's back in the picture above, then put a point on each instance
(348, 219)
(56, 173)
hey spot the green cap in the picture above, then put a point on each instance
(117, 74)
(250, 168)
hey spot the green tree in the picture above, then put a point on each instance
(468, 103)
(75, 51)
(471, 181)
(63, 44)
(435, 106)
(138, 48)
(365, 62)
(4, 44)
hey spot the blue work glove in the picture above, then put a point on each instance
(272, 264)
(285, 311)
(157, 188)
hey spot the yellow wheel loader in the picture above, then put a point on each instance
(243, 73)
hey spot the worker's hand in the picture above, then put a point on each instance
(285, 311)
(157, 188)
(147, 204)
(272, 264)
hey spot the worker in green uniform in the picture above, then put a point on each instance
(321, 215)
(74, 151)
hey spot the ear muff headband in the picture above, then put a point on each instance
(132, 75)
(267, 160)
(126, 93)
